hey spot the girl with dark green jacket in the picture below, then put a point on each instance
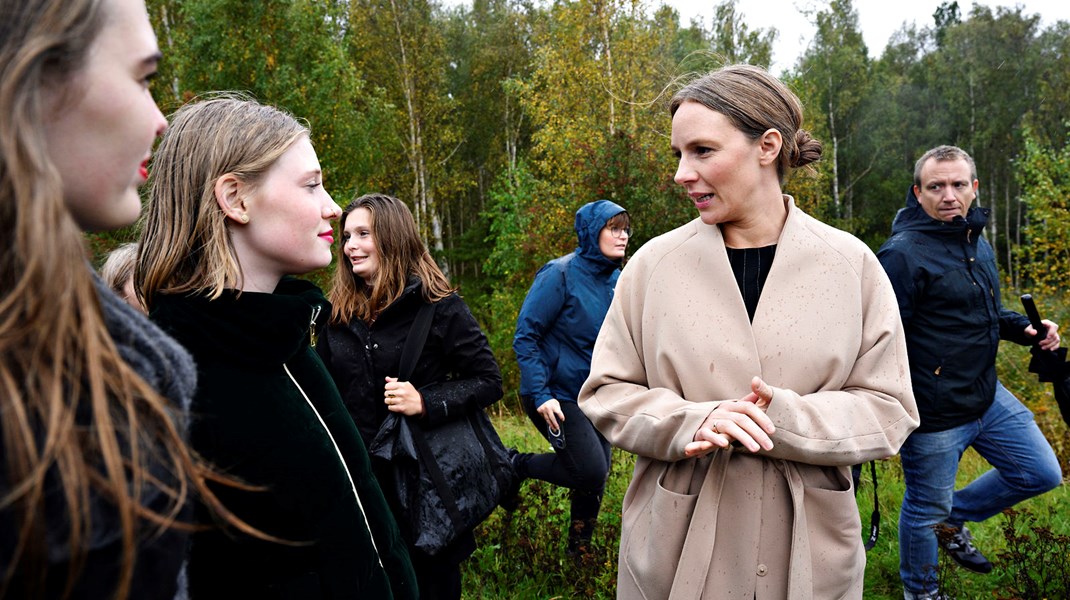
(237, 205)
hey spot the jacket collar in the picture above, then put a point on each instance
(250, 328)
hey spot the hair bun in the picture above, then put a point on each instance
(807, 150)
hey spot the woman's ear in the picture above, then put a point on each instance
(230, 197)
(770, 145)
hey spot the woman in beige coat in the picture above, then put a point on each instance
(748, 359)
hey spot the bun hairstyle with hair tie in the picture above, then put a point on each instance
(754, 102)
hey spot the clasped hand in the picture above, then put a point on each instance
(402, 397)
(742, 420)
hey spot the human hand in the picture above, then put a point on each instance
(1051, 339)
(742, 420)
(551, 412)
(402, 397)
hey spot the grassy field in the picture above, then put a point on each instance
(522, 555)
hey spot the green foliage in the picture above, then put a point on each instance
(527, 228)
(1044, 174)
(268, 49)
(1036, 557)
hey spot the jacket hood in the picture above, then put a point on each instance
(590, 219)
(913, 217)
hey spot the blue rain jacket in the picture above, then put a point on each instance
(563, 312)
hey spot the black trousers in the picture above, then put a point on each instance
(438, 578)
(581, 466)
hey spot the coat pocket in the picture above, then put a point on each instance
(835, 534)
(656, 538)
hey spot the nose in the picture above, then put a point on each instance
(333, 211)
(684, 173)
(161, 121)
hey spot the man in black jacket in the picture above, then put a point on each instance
(945, 278)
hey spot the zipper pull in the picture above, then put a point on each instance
(312, 326)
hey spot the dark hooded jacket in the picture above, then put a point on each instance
(947, 285)
(563, 311)
(456, 374)
(267, 412)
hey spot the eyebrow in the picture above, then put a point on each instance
(153, 59)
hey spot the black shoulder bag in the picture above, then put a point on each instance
(448, 478)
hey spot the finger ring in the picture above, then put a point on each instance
(389, 395)
(713, 426)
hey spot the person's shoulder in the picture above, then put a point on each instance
(668, 242)
(671, 245)
(903, 244)
(559, 264)
(832, 238)
(450, 303)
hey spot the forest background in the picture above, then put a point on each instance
(494, 121)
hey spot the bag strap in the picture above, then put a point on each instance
(428, 460)
(414, 343)
(410, 353)
(875, 518)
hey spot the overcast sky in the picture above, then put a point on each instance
(878, 19)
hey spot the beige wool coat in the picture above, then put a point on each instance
(677, 341)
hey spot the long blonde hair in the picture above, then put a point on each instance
(185, 244)
(401, 253)
(57, 359)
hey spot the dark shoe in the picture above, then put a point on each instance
(580, 533)
(511, 499)
(958, 543)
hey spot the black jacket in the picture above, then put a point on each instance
(168, 369)
(947, 284)
(456, 372)
(267, 412)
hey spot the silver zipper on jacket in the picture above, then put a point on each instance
(312, 326)
(341, 459)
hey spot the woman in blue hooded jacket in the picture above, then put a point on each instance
(555, 335)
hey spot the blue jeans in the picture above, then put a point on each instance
(1024, 466)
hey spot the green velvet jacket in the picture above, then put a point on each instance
(267, 412)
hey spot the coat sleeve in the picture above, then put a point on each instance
(873, 411)
(538, 314)
(475, 381)
(1012, 327)
(632, 414)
